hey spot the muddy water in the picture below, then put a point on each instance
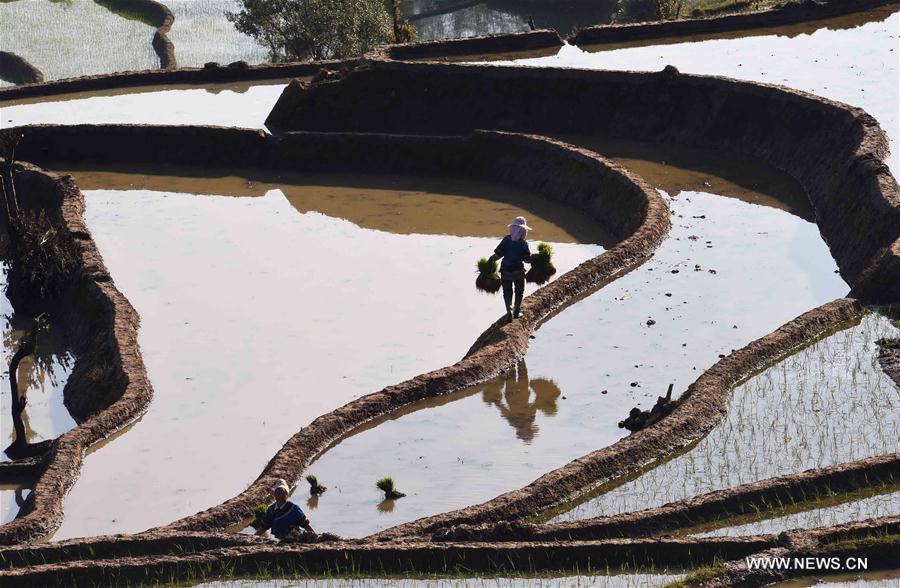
(201, 33)
(707, 292)
(623, 580)
(239, 105)
(828, 404)
(75, 38)
(855, 62)
(878, 505)
(260, 314)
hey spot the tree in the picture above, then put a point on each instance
(297, 30)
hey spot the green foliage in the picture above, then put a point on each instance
(314, 487)
(296, 30)
(386, 485)
(647, 10)
(404, 31)
(259, 510)
(487, 266)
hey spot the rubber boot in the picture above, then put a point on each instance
(507, 304)
(518, 304)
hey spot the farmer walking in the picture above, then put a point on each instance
(283, 517)
(514, 251)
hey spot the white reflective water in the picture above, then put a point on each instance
(71, 38)
(829, 403)
(257, 316)
(238, 105)
(858, 66)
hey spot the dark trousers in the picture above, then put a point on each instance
(508, 292)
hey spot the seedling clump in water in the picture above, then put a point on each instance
(314, 487)
(541, 265)
(386, 485)
(488, 279)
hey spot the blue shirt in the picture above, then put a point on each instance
(513, 254)
(284, 519)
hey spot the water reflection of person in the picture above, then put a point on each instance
(518, 409)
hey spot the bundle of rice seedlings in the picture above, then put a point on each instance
(314, 487)
(386, 485)
(488, 279)
(541, 265)
(259, 513)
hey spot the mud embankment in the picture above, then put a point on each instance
(17, 70)
(784, 14)
(159, 16)
(417, 557)
(188, 76)
(836, 152)
(108, 386)
(881, 473)
(699, 410)
(620, 202)
(482, 46)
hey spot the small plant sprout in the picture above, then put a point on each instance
(386, 485)
(314, 487)
(488, 279)
(541, 264)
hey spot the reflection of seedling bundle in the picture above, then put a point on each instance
(259, 513)
(386, 485)
(488, 279)
(314, 487)
(541, 264)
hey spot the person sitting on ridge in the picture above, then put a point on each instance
(285, 518)
(514, 251)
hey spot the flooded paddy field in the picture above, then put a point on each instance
(451, 19)
(865, 506)
(855, 62)
(880, 579)
(827, 404)
(609, 580)
(201, 33)
(87, 38)
(266, 302)
(703, 294)
(44, 374)
(242, 105)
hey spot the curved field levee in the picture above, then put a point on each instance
(159, 16)
(481, 48)
(108, 387)
(166, 560)
(624, 205)
(18, 70)
(836, 152)
(881, 473)
(784, 14)
(699, 410)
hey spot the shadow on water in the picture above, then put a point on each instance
(674, 168)
(394, 204)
